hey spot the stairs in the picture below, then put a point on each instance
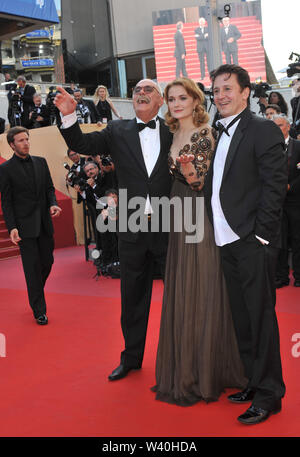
(251, 52)
(7, 248)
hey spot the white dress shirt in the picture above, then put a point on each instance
(223, 232)
(150, 144)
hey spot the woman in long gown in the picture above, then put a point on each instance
(197, 356)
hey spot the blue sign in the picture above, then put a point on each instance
(38, 34)
(37, 63)
(43, 10)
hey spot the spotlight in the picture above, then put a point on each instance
(227, 9)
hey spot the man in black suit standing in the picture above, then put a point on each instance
(229, 36)
(180, 51)
(28, 202)
(245, 190)
(291, 209)
(139, 149)
(201, 35)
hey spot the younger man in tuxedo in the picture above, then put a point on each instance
(245, 190)
(28, 202)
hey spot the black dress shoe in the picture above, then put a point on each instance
(255, 415)
(42, 320)
(297, 283)
(120, 372)
(281, 283)
(242, 397)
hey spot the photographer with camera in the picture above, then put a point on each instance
(85, 110)
(39, 115)
(108, 263)
(20, 102)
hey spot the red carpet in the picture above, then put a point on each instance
(53, 379)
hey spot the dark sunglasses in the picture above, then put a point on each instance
(146, 89)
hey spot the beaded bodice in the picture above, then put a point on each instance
(201, 146)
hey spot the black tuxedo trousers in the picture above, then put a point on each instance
(37, 260)
(249, 269)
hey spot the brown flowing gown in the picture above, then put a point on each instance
(197, 356)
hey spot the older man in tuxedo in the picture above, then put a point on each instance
(229, 36)
(139, 148)
(245, 190)
(201, 35)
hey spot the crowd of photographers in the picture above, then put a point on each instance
(94, 180)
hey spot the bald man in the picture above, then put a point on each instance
(139, 148)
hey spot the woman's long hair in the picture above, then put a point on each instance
(96, 96)
(281, 103)
(200, 116)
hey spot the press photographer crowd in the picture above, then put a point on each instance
(94, 178)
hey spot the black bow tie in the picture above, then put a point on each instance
(151, 125)
(221, 128)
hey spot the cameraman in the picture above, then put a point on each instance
(85, 110)
(39, 116)
(20, 102)
(109, 238)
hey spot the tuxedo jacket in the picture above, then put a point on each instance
(293, 152)
(233, 32)
(179, 45)
(120, 139)
(23, 208)
(254, 182)
(201, 40)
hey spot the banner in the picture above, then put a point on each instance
(44, 10)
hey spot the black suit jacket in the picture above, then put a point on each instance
(233, 32)
(179, 45)
(23, 209)
(120, 139)
(293, 195)
(254, 181)
(95, 117)
(201, 40)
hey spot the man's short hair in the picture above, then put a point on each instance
(15, 131)
(110, 191)
(281, 116)
(21, 78)
(90, 162)
(231, 69)
(274, 107)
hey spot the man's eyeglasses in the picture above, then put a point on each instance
(146, 89)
